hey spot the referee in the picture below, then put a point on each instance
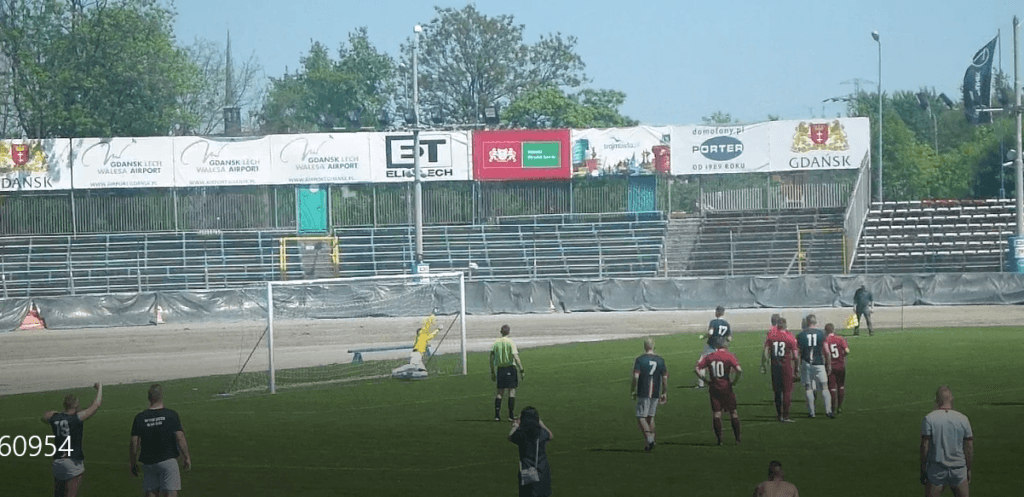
(505, 360)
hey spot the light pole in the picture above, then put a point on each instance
(417, 181)
(874, 34)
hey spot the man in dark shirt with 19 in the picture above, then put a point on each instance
(863, 303)
(815, 365)
(719, 334)
(157, 432)
(649, 388)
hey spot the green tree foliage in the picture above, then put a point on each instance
(550, 107)
(101, 68)
(354, 90)
(468, 61)
(718, 118)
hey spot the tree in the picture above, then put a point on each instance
(550, 107)
(106, 68)
(718, 118)
(355, 90)
(201, 110)
(468, 61)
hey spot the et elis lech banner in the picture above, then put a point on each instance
(444, 156)
(122, 162)
(819, 144)
(621, 151)
(323, 158)
(521, 155)
(35, 165)
(221, 161)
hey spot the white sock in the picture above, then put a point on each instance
(828, 402)
(650, 438)
(810, 401)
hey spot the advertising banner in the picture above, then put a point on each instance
(322, 158)
(35, 165)
(614, 151)
(444, 156)
(720, 149)
(122, 162)
(201, 161)
(819, 144)
(521, 155)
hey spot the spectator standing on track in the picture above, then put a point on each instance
(863, 303)
(157, 441)
(532, 437)
(815, 365)
(68, 426)
(837, 349)
(781, 347)
(947, 448)
(504, 364)
(719, 366)
(719, 332)
(776, 484)
(648, 388)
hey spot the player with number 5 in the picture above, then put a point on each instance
(718, 367)
(837, 350)
(67, 426)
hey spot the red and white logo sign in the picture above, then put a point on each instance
(819, 133)
(19, 154)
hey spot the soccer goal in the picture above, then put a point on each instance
(348, 329)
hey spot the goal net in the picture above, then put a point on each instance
(347, 329)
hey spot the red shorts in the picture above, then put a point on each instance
(837, 379)
(722, 399)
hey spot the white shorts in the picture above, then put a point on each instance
(645, 408)
(813, 376)
(161, 477)
(942, 476)
(65, 469)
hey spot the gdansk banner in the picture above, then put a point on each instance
(35, 165)
(521, 155)
(776, 146)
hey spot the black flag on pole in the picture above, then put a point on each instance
(978, 84)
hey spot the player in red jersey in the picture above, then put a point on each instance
(715, 369)
(837, 348)
(781, 347)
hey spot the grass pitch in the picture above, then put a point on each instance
(438, 437)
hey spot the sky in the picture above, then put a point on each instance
(676, 60)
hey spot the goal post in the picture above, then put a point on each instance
(346, 329)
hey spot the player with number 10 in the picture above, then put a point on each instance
(719, 366)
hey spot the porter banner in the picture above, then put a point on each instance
(720, 149)
(35, 165)
(122, 163)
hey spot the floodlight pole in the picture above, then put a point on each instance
(874, 34)
(1018, 163)
(417, 179)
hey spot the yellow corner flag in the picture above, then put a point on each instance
(851, 322)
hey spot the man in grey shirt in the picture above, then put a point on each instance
(947, 448)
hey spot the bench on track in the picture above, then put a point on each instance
(357, 354)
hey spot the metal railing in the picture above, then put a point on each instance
(777, 196)
(856, 214)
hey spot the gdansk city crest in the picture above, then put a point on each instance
(502, 155)
(810, 137)
(27, 156)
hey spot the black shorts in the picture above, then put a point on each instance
(508, 377)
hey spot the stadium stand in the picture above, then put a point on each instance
(789, 241)
(936, 236)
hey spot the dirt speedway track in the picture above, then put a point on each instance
(43, 360)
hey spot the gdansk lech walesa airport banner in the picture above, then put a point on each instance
(346, 158)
